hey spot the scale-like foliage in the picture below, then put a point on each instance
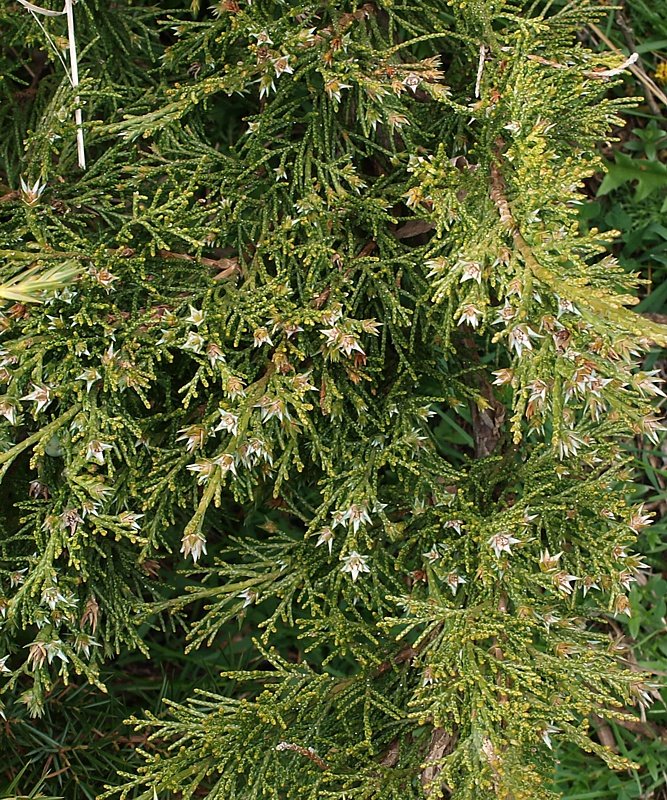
(312, 237)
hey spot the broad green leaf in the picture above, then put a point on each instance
(650, 176)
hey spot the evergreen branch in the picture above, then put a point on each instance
(43, 434)
(308, 301)
(605, 305)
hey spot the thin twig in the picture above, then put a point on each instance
(629, 37)
(589, 73)
(74, 66)
(73, 72)
(308, 752)
(636, 70)
(480, 70)
(226, 266)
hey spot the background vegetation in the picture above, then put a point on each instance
(632, 199)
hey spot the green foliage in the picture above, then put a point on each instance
(643, 741)
(641, 245)
(650, 175)
(641, 236)
(309, 237)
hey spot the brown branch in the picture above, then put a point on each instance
(391, 755)
(413, 228)
(308, 752)
(441, 744)
(226, 266)
(406, 654)
(660, 318)
(487, 423)
(487, 420)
